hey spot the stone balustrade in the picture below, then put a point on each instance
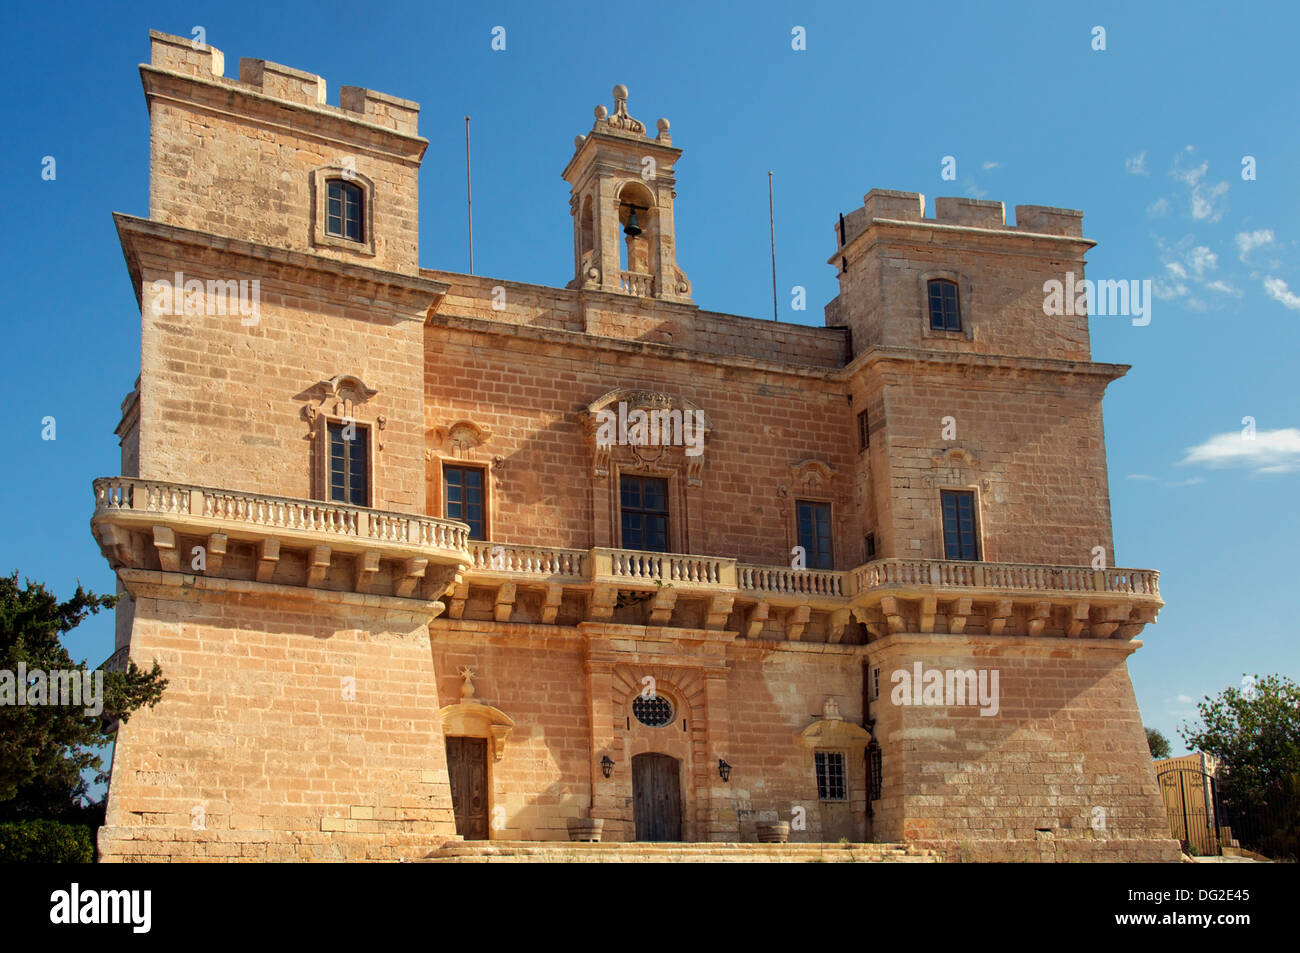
(886, 595)
(905, 574)
(633, 569)
(637, 283)
(128, 501)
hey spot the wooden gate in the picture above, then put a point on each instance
(656, 797)
(467, 769)
(1192, 809)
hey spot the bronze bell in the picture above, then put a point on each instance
(632, 229)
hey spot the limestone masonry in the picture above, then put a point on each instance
(407, 589)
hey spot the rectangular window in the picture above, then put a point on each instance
(874, 767)
(945, 307)
(830, 775)
(869, 546)
(463, 490)
(815, 532)
(875, 684)
(959, 538)
(343, 210)
(348, 458)
(864, 435)
(644, 507)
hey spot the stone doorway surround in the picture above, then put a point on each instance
(688, 667)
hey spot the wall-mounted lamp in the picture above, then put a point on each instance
(724, 770)
(606, 766)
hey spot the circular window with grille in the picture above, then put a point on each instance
(652, 710)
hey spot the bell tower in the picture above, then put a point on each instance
(621, 200)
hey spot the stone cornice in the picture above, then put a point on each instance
(139, 234)
(149, 583)
(879, 354)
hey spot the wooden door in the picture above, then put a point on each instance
(467, 768)
(656, 797)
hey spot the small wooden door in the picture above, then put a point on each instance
(467, 768)
(656, 797)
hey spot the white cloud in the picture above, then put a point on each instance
(990, 166)
(1139, 476)
(1158, 208)
(1224, 287)
(1249, 241)
(1277, 290)
(1202, 260)
(1204, 199)
(1268, 451)
(1137, 165)
(1185, 699)
(1190, 177)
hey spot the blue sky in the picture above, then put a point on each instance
(1147, 137)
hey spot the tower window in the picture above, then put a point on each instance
(815, 532)
(644, 513)
(343, 214)
(959, 538)
(348, 458)
(869, 546)
(464, 498)
(945, 305)
(864, 435)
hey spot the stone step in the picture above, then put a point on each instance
(469, 852)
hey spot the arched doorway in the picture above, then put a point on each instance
(657, 797)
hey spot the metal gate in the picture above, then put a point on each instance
(1192, 806)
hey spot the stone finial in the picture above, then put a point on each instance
(467, 688)
(578, 141)
(601, 112)
(620, 119)
(662, 125)
(831, 710)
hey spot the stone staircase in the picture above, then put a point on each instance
(548, 852)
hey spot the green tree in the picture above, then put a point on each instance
(1254, 734)
(1157, 743)
(44, 749)
(1253, 731)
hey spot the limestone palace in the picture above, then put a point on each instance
(433, 559)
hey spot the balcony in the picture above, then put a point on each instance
(777, 602)
(150, 524)
(154, 525)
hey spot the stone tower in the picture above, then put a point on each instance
(621, 177)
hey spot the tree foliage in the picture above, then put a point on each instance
(44, 749)
(1157, 743)
(1253, 731)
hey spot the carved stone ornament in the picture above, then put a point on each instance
(644, 428)
(620, 119)
(460, 438)
(341, 398)
(810, 476)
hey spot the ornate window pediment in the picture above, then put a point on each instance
(832, 731)
(643, 428)
(341, 397)
(460, 438)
